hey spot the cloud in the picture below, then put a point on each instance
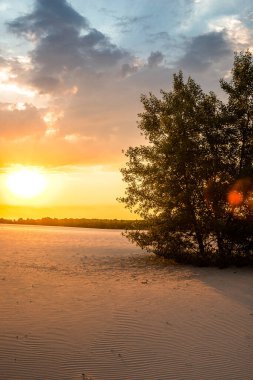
(4, 7)
(2, 61)
(91, 85)
(126, 24)
(205, 50)
(155, 58)
(127, 69)
(14, 79)
(48, 17)
(97, 123)
(19, 121)
(93, 89)
(159, 36)
(239, 34)
(64, 44)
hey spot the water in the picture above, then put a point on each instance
(77, 301)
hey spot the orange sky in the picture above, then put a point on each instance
(84, 191)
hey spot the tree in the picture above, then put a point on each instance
(239, 112)
(182, 181)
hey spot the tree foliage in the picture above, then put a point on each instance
(77, 222)
(192, 182)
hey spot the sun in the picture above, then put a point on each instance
(26, 183)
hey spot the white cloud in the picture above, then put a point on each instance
(51, 117)
(236, 31)
(4, 7)
(16, 89)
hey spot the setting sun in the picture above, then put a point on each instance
(26, 183)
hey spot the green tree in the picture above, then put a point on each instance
(239, 115)
(182, 181)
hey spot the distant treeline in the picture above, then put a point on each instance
(84, 223)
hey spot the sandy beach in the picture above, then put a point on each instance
(77, 301)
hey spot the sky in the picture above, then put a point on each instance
(71, 76)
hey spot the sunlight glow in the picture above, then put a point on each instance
(235, 198)
(26, 183)
(16, 89)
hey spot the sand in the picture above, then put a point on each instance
(80, 301)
